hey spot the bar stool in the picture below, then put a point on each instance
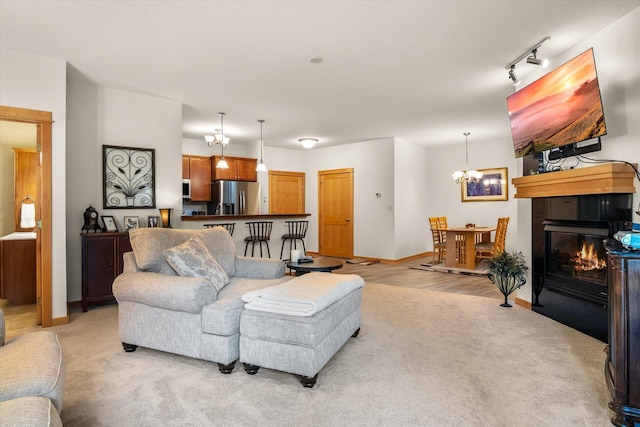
(259, 232)
(228, 225)
(297, 231)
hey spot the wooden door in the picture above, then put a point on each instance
(286, 192)
(335, 212)
(43, 121)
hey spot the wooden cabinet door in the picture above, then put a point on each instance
(229, 173)
(200, 175)
(185, 167)
(99, 267)
(246, 169)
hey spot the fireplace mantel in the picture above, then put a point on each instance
(601, 179)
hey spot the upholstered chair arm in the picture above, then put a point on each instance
(259, 268)
(177, 293)
(130, 265)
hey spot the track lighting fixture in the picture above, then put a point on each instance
(513, 76)
(532, 58)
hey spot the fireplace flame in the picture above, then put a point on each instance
(587, 259)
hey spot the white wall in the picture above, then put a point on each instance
(99, 116)
(617, 52)
(412, 190)
(39, 83)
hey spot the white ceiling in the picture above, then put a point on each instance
(425, 71)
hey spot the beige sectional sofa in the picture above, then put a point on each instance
(193, 316)
(32, 379)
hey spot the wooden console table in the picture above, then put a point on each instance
(622, 368)
(101, 264)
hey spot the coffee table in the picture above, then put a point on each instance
(320, 264)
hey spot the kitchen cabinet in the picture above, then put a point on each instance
(622, 370)
(198, 170)
(101, 264)
(240, 169)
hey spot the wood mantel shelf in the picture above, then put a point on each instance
(601, 179)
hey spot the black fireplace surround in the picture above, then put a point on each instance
(569, 259)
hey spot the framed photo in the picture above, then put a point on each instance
(130, 222)
(109, 223)
(128, 177)
(493, 187)
(153, 221)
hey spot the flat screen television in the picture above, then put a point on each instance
(560, 109)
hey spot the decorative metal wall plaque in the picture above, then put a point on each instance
(128, 177)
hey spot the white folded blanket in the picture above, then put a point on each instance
(303, 296)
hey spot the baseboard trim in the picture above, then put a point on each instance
(523, 303)
(58, 321)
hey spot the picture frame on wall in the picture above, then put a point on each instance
(128, 177)
(131, 222)
(492, 187)
(109, 223)
(153, 221)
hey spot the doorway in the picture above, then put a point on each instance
(335, 213)
(43, 122)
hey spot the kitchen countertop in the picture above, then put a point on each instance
(240, 217)
(20, 235)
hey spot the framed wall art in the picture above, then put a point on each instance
(153, 221)
(128, 177)
(492, 187)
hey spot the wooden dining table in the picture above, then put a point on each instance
(461, 245)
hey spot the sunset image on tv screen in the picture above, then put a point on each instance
(560, 108)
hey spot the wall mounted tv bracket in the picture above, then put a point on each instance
(573, 150)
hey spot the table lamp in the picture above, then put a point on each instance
(165, 216)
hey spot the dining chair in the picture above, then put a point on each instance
(437, 224)
(488, 249)
(259, 232)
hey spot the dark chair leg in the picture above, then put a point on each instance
(309, 382)
(268, 251)
(226, 369)
(282, 248)
(246, 246)
(251, 369)
(355, 334)
(129, 348)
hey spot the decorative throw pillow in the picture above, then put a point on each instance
(192, 259)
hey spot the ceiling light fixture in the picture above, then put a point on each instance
(308, 142)
(222, 163)
(261, 166)
(532, 58)
(466, 175)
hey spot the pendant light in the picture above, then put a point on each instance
(261, 166)
(222, 163)
(466, 175)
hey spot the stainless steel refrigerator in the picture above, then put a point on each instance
(234, 198)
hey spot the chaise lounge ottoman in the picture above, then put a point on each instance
(298, 326)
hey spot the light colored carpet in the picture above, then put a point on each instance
(422, 358)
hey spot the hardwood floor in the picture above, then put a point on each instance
(22, 319)
(401, 274)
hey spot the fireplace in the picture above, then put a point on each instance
(569, 258)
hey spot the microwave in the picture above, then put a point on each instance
(186, 188)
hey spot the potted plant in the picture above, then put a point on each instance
(507, 271)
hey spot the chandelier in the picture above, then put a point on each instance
(222, 163)
(466, 175)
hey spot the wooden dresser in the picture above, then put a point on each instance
(101, 264)
(622, 368)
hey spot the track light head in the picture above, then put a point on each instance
(533, 59)
(513, 76)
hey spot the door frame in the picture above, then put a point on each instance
(43, 121)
